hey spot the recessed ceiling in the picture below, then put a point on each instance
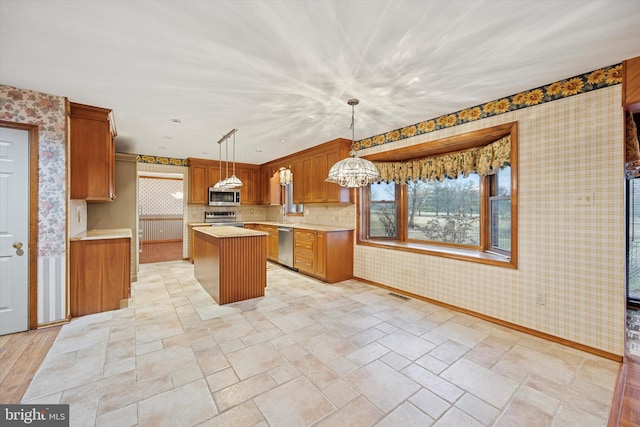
(180, 74)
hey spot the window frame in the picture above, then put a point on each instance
(398, 223)
(485, 254)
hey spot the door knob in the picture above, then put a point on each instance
(17, 245)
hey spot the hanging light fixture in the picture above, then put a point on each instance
(229, 181)
(220, 184)
(286, 177)
(353, 171)
(233, 181)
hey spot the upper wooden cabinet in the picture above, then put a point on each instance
(298, 181)
(92, 153)
(631, 84)
(205, 173)
(198, 184)
(261, 184)
(311, 170)
(269, 190)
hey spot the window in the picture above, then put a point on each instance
(467, 217)
(500, 211)
(383, 213)
(445, 211)
(290, 207)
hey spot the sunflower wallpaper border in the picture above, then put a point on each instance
(158, 160)
(583, 83)
(593, 80)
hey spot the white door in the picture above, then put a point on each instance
(14, 230)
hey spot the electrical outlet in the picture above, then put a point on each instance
(541, 299)
(78, 214)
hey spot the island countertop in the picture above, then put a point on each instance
(222, 232)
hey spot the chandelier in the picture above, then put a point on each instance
(353, 171)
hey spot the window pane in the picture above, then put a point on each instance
(382, 220)
(501, 224)
(383, 192)
(503, 178)
(445, 211)
(290, 206)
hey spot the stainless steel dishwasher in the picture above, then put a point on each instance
(285, 246)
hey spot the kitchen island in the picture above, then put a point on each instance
(230, 262)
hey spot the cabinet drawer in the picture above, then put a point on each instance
(304, 235)
(303, 262)
(304, 247)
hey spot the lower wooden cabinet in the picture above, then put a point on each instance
(326, 255)
(272, 240)
(100, 274)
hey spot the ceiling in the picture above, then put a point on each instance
(281, 72)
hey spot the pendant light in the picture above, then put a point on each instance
(353, 171)
(233, 181)
(220, 184)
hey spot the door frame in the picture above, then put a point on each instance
(34, 145)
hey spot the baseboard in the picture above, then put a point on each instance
(53, 324)
(563, 341)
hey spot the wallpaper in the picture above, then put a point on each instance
(587, 82)
(570, 252)
(48, 112)
(160, 196)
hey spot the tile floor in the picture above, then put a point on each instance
(307, 354)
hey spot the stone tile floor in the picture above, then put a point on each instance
(309, 353)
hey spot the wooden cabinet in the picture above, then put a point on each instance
(214, 174)
(92, 153)
(269, 181)
(631, 84)
(297, 170)
(304, 250)
(308, 183)
(326, 255)
(100, 273)
(333, 193)
(311, 169)
(272, 240)
(205, 173)
(250, 190)
(198, 184)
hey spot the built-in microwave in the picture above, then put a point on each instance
(224, 197)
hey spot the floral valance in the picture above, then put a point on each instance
(484, 160)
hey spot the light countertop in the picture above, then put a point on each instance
(222, 232)
(316, 227)
(112, 233)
